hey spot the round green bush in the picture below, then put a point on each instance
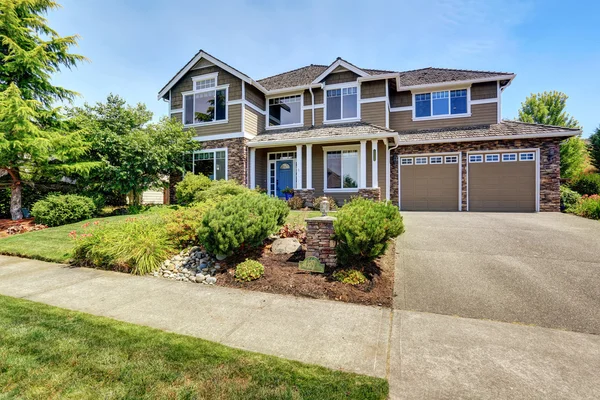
(587, 184)
(363, 229)
(248, 271)
(349, 276)
(189, 188)
(568, 198)
(240, 221)
(61, 209)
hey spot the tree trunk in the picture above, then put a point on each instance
(15, 196)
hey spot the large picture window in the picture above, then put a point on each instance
(342, 169)
(285, 110)
(212, 163)
(207, 103)
(342, 103)
(446, 102)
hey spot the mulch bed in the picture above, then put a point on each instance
(9, 227)
(282, 276)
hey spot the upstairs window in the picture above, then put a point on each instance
(206, 103)
(342, 103)
(446, 102)
(285, 110)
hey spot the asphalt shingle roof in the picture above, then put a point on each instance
(321, 131)
(505, 128)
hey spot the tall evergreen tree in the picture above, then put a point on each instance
(547, 108)
(31, 134)
(595, 148)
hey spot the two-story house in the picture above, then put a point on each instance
(427, 139)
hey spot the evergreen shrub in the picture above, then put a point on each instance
(61, 209)
(249, 270)
(190, 187)
(587, 184)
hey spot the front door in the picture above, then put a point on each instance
(284, 176)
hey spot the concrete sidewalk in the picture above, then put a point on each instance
(333, 334)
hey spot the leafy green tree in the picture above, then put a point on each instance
(135, 153)
(547, 108)
(573, 158)
(31, 131)
(595, 148)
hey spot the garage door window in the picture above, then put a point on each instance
(526, 157)
(406, 161)
(510, 157)
(492, 158)
(421, 160)
(435, 160)
(451, 159)
(476, 158)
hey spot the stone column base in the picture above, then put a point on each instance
(319, 240)
(307, 195)
(370, 193)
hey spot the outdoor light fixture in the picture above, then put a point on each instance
(324, 207)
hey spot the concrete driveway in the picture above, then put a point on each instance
(539, 269)
(493, 306)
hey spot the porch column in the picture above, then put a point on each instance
(374, 169)
(298, 166)
(363, 165)
(309, 166)
(252, 168)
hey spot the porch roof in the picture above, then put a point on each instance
(322, 134)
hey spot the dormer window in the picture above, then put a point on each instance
(285, 111)
(206, 103)
(342, 103)
(441, 104)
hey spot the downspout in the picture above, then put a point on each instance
(312, 96)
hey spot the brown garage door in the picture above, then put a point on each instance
(429, 183)
(502, 182)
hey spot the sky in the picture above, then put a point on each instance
(135, 47)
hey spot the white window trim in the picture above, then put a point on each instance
(212, 89)
(471, 156)
(408, 159)
(269, 162)
(521, 158)
(450, 162)
(341, 86)
(436, 157)
(214, 151)
(300, 124)
(421, 158)
(489, 158)
(327, 149)
(446, 116)
(504, 159)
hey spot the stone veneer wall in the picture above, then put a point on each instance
(370, 193)
(307, 195)
(549, 164)
(319, 240)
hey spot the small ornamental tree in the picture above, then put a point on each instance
(595, 148)
(547, 108)
(241, 221)
(573, 158)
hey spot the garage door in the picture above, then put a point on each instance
(502, 181)
(429, 183)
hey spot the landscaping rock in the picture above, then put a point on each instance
(286, 246)
(221, 257)
(211, 280)
(192, 265)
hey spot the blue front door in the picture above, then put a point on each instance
(284, 176)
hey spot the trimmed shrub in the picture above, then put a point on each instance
(332, 203)
(249, 270)
(588, 207)
(363, 229)
(137, 245)
(349, 276)
(239, 221)
(568, 198)
(222, 189)
(587, 184)
(61, 209)
(191, 185)
(296, 203)
(182, 224)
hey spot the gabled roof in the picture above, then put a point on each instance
(322, 133)
(204, 55)
(426, 76)
(503, 130)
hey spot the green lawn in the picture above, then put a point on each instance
(48, 353)
(52, 244)
(298, 217)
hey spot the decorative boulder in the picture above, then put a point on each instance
(286, 246)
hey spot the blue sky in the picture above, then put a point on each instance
(136, 46)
